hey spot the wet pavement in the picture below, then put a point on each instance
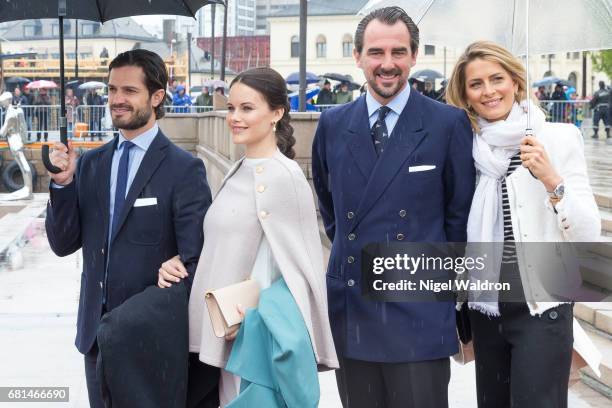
(38, 305)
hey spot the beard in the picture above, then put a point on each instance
(139, 118)
(386, 92)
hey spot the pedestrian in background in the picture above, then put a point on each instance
(343, 95)
(71, 104)
(95, 109)
(43, 104)
(326, 96)
(204, 99)
(601, 109)
(558, 107)
(181, 100)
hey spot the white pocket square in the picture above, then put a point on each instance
(145, 202)
(414, 169)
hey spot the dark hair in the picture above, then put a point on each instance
(154, 68)
(389, 16)
(272, 86)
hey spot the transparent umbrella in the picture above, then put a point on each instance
(522, 26)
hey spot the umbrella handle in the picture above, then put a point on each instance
(45, 148)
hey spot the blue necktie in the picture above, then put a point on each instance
(379, 130)
(122, 177)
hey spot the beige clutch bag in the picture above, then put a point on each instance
(222, 304)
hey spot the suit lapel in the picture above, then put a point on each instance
(407, 134)
(103, 168)
(150, 162)
(359, 139)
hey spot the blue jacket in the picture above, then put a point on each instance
(364, 199)
(146, 236)
(273, 355)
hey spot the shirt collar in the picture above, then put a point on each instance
(143, 140)
(397, 104)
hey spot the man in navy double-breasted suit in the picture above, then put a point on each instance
(391, 166)
(130, 205)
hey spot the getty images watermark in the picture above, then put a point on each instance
(532, 271)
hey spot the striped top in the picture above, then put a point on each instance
(509, 255)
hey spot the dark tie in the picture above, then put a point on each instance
(122, 177)
(379, 130)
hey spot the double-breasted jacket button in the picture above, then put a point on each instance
(553, 315)
(350, 215)
(400, 236)
(351, 282)
(402, 213)
(350, 259)
(352, 237)
(264, 214)
(259, 169)
(261, 188)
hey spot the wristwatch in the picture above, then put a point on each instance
(557, 193)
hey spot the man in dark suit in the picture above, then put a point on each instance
(402, 170)
(130, 205)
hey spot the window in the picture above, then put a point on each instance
(295, 47)
(70, 55)
(430, 50)
(576, 55)
(85, 55)
(347, 46)
(29, 31)
(321, 46)
(90, 29)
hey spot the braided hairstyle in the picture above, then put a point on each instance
(271, 85)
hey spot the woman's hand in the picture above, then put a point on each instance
(231, 335)
(536, 159)
(172, 270)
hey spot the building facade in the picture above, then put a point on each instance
(330, 41)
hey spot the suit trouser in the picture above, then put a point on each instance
(94, 390)
(420, 384)
(523, 361)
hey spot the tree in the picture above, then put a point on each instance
(602, 62)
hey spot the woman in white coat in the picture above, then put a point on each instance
(262, 224)
(529, 189)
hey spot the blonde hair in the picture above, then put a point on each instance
(489, 51)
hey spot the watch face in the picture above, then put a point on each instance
(560, 190)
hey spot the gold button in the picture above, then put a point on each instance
(400, 237)
(350, 215)
(352, 237)
(259, 169)
(261, 188)
(351, 259)
(402, 213)
(264, 214)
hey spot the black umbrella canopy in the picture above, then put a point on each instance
(427, 74)
(16, 80)
(98, 10)
(93, 10)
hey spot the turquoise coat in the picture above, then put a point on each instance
(273, 355)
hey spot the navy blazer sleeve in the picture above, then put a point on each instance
(459, 179)
(191, 200)
(63, 221)
(320, 177)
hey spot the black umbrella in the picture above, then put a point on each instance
(17, 80)
(428, 75)
(345, 79)
(93, 10)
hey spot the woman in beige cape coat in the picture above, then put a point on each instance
(263, 214)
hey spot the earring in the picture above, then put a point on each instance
(274, 127)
